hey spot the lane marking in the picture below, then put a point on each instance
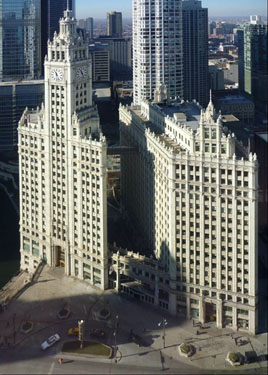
(51, 368)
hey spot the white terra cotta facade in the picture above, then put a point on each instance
(62, 160)
(195, 202)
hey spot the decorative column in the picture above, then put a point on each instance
(68, 260)
(156, 291)
(235, 328)
(53, 255)
(202, 310)
(219, 314)
(172, 305)
(188, 304)
(253, 321)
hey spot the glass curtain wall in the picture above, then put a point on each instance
(20, 40)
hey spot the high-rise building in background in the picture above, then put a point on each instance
(20, 40)
(255, 20)
(114, 24)
(20, 65)
(52, 11)
(216, 78)
(195, 52)
(120, 56)
(211, 27)
(14, 97)
(89, 26)
(100, 62)
(81, 23)
(252, 63)
(157, 49)
(62, 160)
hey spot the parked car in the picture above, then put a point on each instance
(50, 341)
(73, 331)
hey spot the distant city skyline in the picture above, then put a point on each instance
(91, 8)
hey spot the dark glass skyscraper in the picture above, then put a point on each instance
(52, 11)
(252, 58)
(195, 52)
(20, 39)
(14, 98)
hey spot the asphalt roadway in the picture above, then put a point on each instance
(46, 363)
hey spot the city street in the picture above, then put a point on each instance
(21, 354)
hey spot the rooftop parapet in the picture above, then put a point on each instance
(32, 118)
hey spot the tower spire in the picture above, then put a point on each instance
(68, 5)
(210, 95)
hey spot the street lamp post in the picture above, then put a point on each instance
(115, 333)
(163, 323)
(81, 332)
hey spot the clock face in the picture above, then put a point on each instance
(57, 75)
(81, 72)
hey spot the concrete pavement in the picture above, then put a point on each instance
(52, 290)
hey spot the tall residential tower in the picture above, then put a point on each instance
(157, 49)
(62, 161)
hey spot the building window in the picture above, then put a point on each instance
(26, 244)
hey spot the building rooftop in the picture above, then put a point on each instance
(191, 4)
(24, 82)
(229, 118)
(170, 143)
(263, 136)
(98, 46)
(148, 124)
(234, 99)
(102, 91)
(189, 111)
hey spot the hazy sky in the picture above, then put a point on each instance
(98, 8)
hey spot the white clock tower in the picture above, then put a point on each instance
(68, 69)
(69, 225)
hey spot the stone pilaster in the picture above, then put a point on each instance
(188, 303)
(156, 292)
(202, 311)
(235, 319)
(219, 314)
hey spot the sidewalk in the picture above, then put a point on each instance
(13, 287)
(51, 290)
(212, 345)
